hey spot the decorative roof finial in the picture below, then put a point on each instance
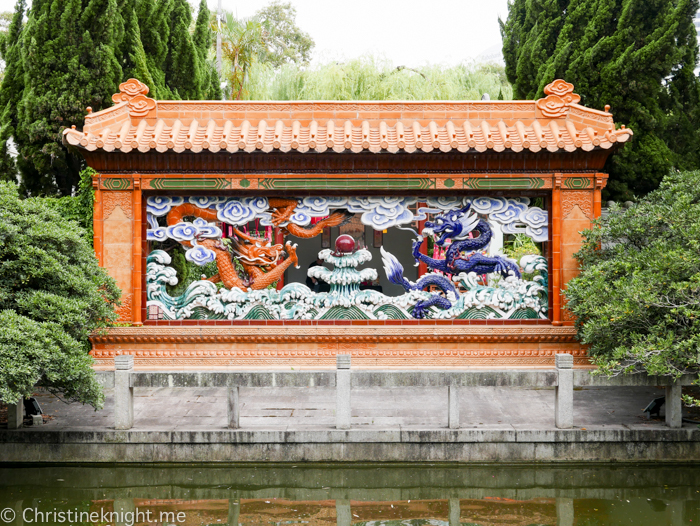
(560, 94)
(134, 92)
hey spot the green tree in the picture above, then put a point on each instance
(214, 91)
(203, 33)
(637, 298)
(53, 295)
(5, 23)
(636, 55)
(183, 69)
(243, 41)
(11, 89)
(203, 38)
(130, 50)
(69, 62)
(286, 42)
(78, 208)
(153, 17)
(368, 78)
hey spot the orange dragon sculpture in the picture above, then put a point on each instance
(262, 263)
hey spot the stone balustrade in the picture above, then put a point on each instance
(563, 378)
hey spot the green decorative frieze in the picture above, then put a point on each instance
(114, 183)
(504, 183)
(190, 183)
(577, 183)
(413, 183)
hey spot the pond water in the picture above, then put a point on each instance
(441, 495)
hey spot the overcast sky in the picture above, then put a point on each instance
(407, 32)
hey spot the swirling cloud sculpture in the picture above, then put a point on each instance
(205, 201)
(160, 205)
(200, 255)
(240, 211)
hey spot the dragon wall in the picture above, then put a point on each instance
(464, 218)
(508, 312)
(467, 276)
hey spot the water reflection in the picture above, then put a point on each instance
(197, 495)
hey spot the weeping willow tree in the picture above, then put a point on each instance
(371, 78)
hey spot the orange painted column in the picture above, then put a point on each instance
(556, 250)
(137, 253)
(597, 204)
(97, 225)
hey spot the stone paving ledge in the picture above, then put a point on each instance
(502, 444)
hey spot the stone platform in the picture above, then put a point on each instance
(396, 424)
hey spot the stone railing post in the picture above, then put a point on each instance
(123, 392)
(342, 392)
(15, 415)
(124, 506)
(565, 511)
(674, 414)
(564, 398)
(234, 510)
(234, 408)
(453, 407)
(454, 512)
(343, 512)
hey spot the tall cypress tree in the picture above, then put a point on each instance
(154, 24)
(69, 64)
(11, 89)
(203, 33)
(130, 52)
(183, 71)
(203, 39)
(636, 55)
(214, 92)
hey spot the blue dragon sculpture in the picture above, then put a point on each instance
(394, 272)
(455, 225)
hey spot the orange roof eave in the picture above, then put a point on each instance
(554, 123)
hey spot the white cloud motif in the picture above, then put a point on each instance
(444, 202)
(488, 205)
(386, 212)
(157, 234)
(510, 213)
(160, 205)
(185, 231)
(205, 201)
(206, 229)
(309, 207)
(182, 232)
(240, 211)
(379, 212)
(534, 217)
(200, 255)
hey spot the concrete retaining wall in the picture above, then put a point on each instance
(618, 444)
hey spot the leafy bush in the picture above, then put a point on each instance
(78, 208)
(518, 245)
(53, 295)
(637, 298)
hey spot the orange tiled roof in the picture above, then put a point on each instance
(554, 123)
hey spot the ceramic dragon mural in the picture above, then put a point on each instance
(465, 279)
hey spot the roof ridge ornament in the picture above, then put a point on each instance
(560, 95)
(134, 92)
